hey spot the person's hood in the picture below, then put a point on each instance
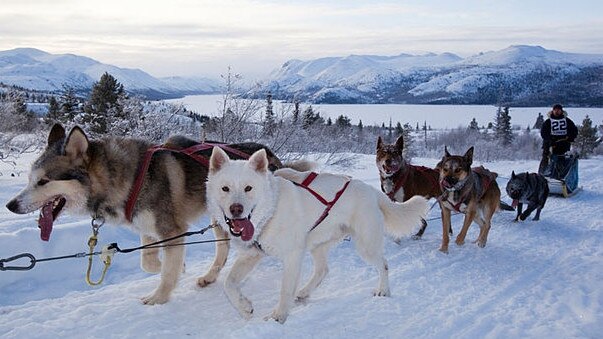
(564, 115)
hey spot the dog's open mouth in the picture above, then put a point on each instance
(240, 228)
(48, 214)
(390, 169)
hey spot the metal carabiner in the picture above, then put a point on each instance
(18, 268)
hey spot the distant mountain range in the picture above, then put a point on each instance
(35, 69)
(517, 75)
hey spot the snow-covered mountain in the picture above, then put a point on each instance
(518, 75)
(35, 69)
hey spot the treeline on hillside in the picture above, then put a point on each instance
(289, 129)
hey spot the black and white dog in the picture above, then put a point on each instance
(528, 188)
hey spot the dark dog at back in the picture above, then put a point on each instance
(528, 188)
(473, 192)
(401, 180)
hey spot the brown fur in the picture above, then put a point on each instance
(394, 169)
(95, 177)
(477, 205)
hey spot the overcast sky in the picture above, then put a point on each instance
(202, 38)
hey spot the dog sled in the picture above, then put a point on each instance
(562, 174)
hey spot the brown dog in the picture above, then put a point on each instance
(473, 192)
(401, 180)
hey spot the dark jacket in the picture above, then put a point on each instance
(558, 133)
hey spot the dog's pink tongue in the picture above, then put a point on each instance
(45, 221)
(515, 202)
(245, 227)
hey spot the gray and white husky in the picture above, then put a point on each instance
(95, 177)
(271, 215)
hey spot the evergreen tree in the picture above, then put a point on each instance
(69, 104)
(502, 126)
(399, 129)
(329, 121)
(295, 111)
(103, 108)
(586, 142)
(343, 121)
(360, 126)
(539, 121)
(473, 125)
(54, 112)
(269, 120)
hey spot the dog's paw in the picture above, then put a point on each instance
(444, 249)
(245, 308)
(415, 237)
(381, 293)
(523, 217)
(460, 242)
(481, 243)
(205, 280)
(155, 299)
(279, 316)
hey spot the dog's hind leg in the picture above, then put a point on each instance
(421, 230)
(319, 258)
(222, 248)
(173, 261)
(242, 266)
(149, 257)
(369, 244)
(528, 211)
(537, 216)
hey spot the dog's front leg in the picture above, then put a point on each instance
(469, 216)
(519, 209)
(291, 272)
(173, 261)
(222, 248)
(244, 264)
(446, 225)
(528, 211)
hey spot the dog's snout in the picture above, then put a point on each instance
(451, 180)
(13, 206)
(388, 162)
(236, 210)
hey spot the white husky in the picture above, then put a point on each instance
(271, 215)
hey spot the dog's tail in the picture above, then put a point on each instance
(505, 207)
(301, 165)
(402, 218)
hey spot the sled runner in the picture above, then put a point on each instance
(562, 174)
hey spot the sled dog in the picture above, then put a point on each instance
(401, 180)
(95, 178)
(473, 192)
(528, 188)
(280, 215)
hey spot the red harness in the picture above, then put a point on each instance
(190, 151)
(329, 204)
(402, 180)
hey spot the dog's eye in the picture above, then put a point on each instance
(457, 170)
(248, 188)
(225, 189)
(43, 182)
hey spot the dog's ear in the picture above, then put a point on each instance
(400, 143)
(446, 154)
(379, 143)
(218, 159)
(259, 161)
(469, 155)
(76, 145)
(57, 134)
(512, 174)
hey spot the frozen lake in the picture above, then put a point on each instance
(436, 116)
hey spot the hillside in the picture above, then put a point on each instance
(517, 76)
(35, 69)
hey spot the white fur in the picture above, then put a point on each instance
(283, 215)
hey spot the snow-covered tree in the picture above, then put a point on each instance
(586, 142)
(502, 126)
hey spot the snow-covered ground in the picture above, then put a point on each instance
(533, 279)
